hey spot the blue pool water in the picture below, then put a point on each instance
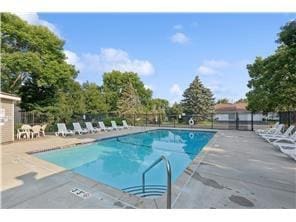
(119, 162)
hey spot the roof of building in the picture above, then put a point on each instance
(231, 107)
(4, 95)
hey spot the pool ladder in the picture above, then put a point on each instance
(169, 178)
(154, 190)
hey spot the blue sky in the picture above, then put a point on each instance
(167, 50)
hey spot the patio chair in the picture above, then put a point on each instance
(25, 130)
(277, 131)
(63, 131)
(125, 125)
(78, 129)
(286, 134)
(90, 127)
(42, 130)
(35, 131)
(103, 127)
(291, 140)
(290, 150)
(114, 126)
(268, 130)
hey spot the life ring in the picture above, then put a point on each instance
(191, 122)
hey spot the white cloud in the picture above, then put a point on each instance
(148, 87)
(204, 70)
(210, 67)
(176, 90)
(179, 38)
(73, 59)
(109, 59)
(178, 27)
(33, 19)
(216, 63)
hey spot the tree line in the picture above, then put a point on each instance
(34, 67)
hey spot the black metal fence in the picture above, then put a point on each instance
(218, 120)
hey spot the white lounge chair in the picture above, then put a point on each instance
(103, 127)
(78, 129)
(286, 134)
(291, 140)
(115, 127)
(90, 127)
(277, 131)
(268, 130)
(62, 130)
(125, 125)
(290, 150)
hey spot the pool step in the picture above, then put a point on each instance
(150, 190)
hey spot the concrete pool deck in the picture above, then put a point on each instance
(236, 169)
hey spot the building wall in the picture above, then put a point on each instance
(241, 116)
(7, 128)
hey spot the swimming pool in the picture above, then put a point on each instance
(119, 162)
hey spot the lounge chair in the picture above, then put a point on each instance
(286, 134)
(268, 130)
(290, 150)
(114, 126)
(78, 129)
(125, 125)
(35, 131)
(62, 130)
(25, 130)
(103, 127)
(277, 131)
(291, 140)
(42, 130)
(90, 127)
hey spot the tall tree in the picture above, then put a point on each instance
(33, 64)
(158, 106)
(94, 100)
(115, 81)
(273, 79)
(176, 109)
(198, 99)
(129, 102)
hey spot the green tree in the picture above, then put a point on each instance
(198, 99)
(94, 100)
(176, 109)
(242, 100)
(129, 102)
(158, 106)
(273, 79)
(33, 64)
(224, 100)
(115, 81)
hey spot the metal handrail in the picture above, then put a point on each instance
(169, 178)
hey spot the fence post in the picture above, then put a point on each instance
(212, 119)
(134, 119)
(289, 118)
(146, 119)
(252, 121)
(174, 121)
(159, 119)
(236, 121)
